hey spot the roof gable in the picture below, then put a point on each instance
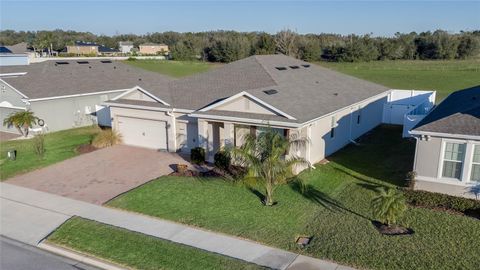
(247, 103)
(138, 93)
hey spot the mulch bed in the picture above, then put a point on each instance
(86, 148)
(392, 230)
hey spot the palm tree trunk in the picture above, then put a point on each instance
(269, 194)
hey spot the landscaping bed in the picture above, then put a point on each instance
(334, 210)
(136, 250)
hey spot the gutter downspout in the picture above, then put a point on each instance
(351, 120)
(174, 130)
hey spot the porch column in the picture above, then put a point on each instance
(229, 134)
(203, 135)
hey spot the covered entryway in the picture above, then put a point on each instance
(143, 132)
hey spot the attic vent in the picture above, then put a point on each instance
(294, 67)
(306, 66)
(281, 68)
(270, 92)
(82, 62)
(106, 61)
(61, 63)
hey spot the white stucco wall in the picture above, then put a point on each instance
(321, 145)
(71, 112)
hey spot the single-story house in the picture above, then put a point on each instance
(447, 157)
(14, 55)
(216, 108)
(68, 94)
(125, 46)
(82, 48)
(153, 48)
(107, 51)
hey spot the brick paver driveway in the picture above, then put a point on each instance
(101, 175)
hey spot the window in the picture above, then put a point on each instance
(476, 164)
(453, 160)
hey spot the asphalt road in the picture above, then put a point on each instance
(18, 256)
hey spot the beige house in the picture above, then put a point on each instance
(83, 48)
(447, 157)
(153, 49)
(215, 109)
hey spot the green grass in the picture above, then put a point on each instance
(443, 76)
(137, 250)
(172, 68)
(59, 146)
(335, 211)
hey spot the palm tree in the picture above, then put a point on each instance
(22, 121)
(264, 157)
(388, 206)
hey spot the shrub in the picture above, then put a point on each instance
(197, 155)
(106, 138)
(388, 206)
(410, 177)
(222, 160)
(39, 144)
(438, 200)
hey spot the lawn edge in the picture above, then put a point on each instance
(80, 256)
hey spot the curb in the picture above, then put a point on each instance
(90, 260)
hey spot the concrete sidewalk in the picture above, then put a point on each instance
(53, 210)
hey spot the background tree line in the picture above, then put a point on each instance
(227, 46)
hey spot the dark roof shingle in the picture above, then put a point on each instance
(459, 114)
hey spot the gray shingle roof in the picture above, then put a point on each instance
(49, 80)
(459, 113)
(306, 92)
(15, 49)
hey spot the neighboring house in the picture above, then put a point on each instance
(106, 51)
(15, 55)
(153, 49)
(217, 108)
(68, 94)
(126, 46)
(447, 157)
(83, 48)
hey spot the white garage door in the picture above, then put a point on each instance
(143, 132)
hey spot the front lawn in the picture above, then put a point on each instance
(172, 68)
(137, 250)
(334, 210)
(445, 76)
(59, 146)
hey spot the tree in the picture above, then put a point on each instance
(264, 45)
(264, 157)
(22, 121)
(388, 206)
(286, 42)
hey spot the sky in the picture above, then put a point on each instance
(380, 18)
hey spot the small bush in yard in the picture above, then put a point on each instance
(197, 155)
(222, 160)
(106, 138)
(388, 206)
(438, 200)
(39, 144)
